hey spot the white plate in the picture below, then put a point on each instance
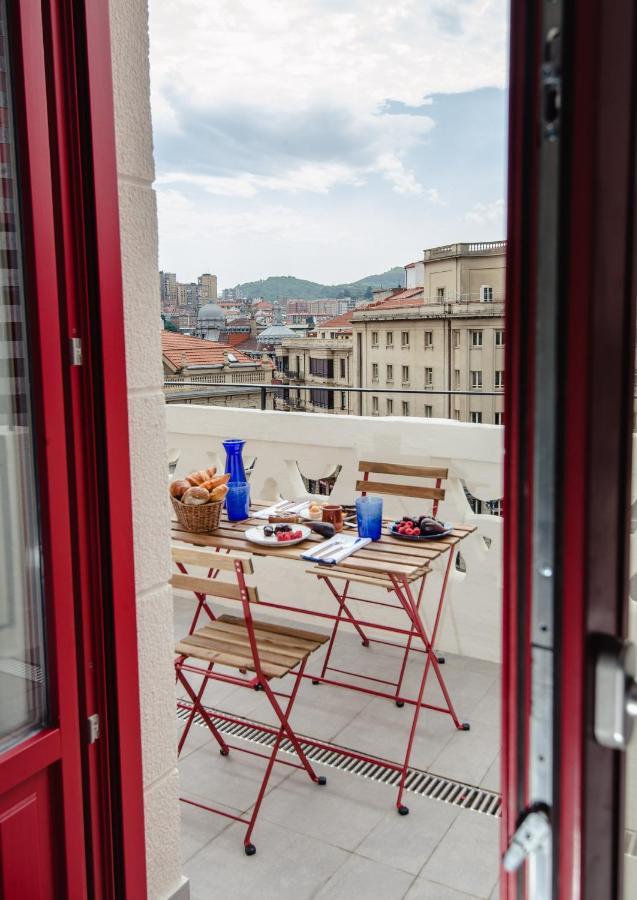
(256, 536)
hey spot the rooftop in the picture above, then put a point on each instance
(180, 349)
(342, 321)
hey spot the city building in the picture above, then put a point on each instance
(192, 368)
(443, 333)
(322, 358)
(168, 288)
(211, 322)
(207, 287)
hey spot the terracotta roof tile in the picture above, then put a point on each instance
(176, 347)
(398, 299)
(341, 321)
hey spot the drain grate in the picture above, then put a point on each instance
(418, 781)
(21, 669)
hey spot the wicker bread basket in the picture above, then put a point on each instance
(198, 519)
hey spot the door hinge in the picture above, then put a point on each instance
(76, 351)
(532, 834)
(92, 728)
(615, 694)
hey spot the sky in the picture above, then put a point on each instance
(327, 139)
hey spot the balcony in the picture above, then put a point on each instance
(477, 248)
(349, 838)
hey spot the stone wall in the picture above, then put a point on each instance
(138, 224)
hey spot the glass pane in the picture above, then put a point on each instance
(22, 676)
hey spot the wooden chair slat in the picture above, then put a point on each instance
(401, 490)
(381, 468)
(267, 654)
(324, 572)
(211, 587)
(210, 560)
(229, 659)
(267, 645)
(283, 632)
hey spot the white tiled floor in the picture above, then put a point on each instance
(346, 839)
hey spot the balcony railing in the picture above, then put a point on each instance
(284, 448)
(476, 248)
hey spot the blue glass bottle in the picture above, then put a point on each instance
(234, 459)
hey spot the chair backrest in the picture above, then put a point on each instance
(230, 561)
(434, 492)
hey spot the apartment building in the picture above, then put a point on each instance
(324, 360)
(207, 288)
(444, 332)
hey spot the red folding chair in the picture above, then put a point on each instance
(268, 651)
(413, 489)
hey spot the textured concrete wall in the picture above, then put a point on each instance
(138, 223)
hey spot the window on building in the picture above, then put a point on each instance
(486, 293)
(499, 378)
(476, 417)
(390, 407)
(343, 400)
(342, 367)
(404, 339)
(456, 415)
(456, 378)
(405, 374)
(499, 418)
(390, 374)
(440, 294)
(475, 338)
(429, 339)
(375, 405)
(429, 377)
(374, 371)
(476, 379)
(374, 339)
(298, 365)
(405, 408)
(322, 367)
(429, 411)
(499, 338)
(456, 337)
(324, 399)
(390, 339)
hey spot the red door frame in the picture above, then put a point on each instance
(63, 79)
(56, 749)
(88, 220)
(596, 350)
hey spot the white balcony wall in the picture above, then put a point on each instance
(284, 444)
(138, 228)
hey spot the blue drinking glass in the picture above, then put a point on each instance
(369, 515)
(238, 501)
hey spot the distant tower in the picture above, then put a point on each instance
(210, 322)
(207, 288)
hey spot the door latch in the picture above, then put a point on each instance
(92, 728)
(532, 834)
(615, 694)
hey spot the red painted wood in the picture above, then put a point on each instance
(518, 463)
(599, 378)
(23, 871)
(34, 141)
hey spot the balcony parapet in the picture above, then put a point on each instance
(476, 248)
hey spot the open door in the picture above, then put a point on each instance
(71, 808)
(571, 371)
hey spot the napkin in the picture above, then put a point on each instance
(299, 508)
(341, 546)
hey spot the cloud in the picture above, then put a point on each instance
(486, 213)
(311, 93)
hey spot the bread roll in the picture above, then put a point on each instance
(212, 471)
(219, 492)
(212, 483)
(195, 496)
(197, 478)
(178, 488)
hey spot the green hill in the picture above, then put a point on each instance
(287, 287)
